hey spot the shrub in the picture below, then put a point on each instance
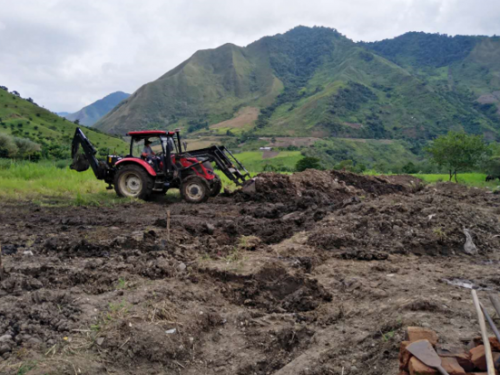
(307, 162)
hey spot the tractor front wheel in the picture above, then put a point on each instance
(195, 189)
(132, 181)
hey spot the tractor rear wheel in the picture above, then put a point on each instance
(195, 189)
(132, 181)
(216, 186)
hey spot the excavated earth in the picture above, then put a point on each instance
(315, 273)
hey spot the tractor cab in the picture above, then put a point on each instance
(165, 145)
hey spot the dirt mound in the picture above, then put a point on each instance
(324, 187)
(421, 224)
(376, 185)
(323, 182)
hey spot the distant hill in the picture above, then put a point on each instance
(90, 114)
(62, 114)
(315, 82)
(24, 119)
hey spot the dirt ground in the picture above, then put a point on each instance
(316, 273)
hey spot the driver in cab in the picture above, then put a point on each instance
(147, 151)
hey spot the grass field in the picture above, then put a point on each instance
(51, 183)
(471, 179)
(253, 161)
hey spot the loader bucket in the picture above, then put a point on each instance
(249, 186)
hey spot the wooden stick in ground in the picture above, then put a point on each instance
(168, 225)
(491, 323)
(484, 334)
(495, 303)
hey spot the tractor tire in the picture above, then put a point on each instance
(216, 186)
(132, 181)
(195, 189)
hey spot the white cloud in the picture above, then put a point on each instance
(66, 54)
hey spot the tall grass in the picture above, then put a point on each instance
(48, 180)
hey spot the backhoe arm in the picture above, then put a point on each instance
(81, 162)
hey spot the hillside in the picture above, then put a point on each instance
(315, 82)
(90, 114)
(21, 118)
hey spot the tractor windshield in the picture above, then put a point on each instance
(168, 142)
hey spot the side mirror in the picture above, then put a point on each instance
(185, 146)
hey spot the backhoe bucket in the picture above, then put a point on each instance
(80, 163)
(84, 159)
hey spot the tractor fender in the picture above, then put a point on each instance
(141, 162)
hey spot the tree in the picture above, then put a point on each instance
(26, 148)
(410, 168)
(344, 165)
(77, 122)
(8, 148)
(307, 162)
(457, 151)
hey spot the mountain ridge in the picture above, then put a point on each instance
(91, 113)
(317, 81)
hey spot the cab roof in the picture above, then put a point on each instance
(149, 133)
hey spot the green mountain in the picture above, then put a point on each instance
(23, 118)
(90, 114)
(315, 82)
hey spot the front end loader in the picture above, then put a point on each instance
(137, 175)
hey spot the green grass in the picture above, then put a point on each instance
(470, 179)
(252, 160)
(46, 182)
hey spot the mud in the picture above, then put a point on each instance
(317, 273)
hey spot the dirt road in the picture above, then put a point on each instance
(318, 273)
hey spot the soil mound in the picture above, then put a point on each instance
(324, 187)
(421, 224)
(376, 185)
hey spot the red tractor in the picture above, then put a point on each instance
(139, 176)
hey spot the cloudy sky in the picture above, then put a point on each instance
(66, 54)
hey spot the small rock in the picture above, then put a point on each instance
(5, 338)
(4, 348)
(28, 253)
(9, 249)
(100, 340)
(120, 240)
(210, 228)
(171, 331)
(469, 246)
(181, 267)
